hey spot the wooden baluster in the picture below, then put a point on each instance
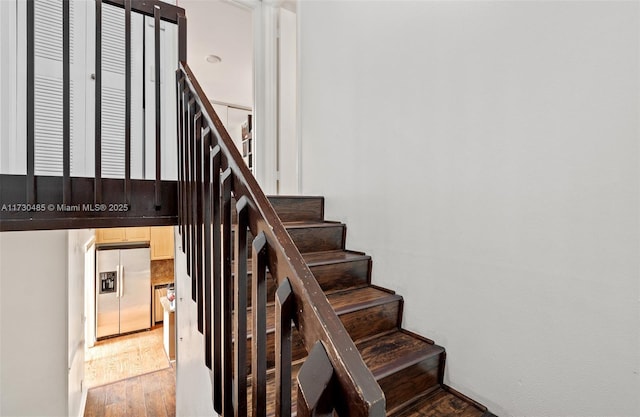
(97, 193)
(259, 328)
(158, 96)
(206, 277)
(179, 87)
(31, 101)
(192, 202)
(315, 384)
(284, 310)
(188, 144)
(199, 223)
(66, 103)
(240, 309)
(183, 151)
(182, 38)
(217, 280)
(227, 296)
(127, 111)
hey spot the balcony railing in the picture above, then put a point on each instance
(31, 201)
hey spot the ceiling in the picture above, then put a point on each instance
(216, 27)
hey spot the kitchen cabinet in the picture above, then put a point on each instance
(122, 234)
(169, 329)
(161, 242)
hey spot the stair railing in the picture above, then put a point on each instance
(213, 177)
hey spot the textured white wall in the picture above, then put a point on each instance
(33, 323)
(76, 255)
(486, 155)
(193, 384)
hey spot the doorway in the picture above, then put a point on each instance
(123, 369)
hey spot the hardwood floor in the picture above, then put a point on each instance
(148, 395)
(130, 376)
(123, 357)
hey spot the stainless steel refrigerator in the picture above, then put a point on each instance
(123, 289)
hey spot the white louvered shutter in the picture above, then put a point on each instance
(48, 89)
(48, 85)
(114, 94)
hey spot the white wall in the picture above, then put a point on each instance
(193, 383)
(42, 322)
(221, 28)
(77, 250)
(486, 155)
(287, 104)
(33, 323)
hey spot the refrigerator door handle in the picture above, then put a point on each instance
(117, 281)
(121, 280)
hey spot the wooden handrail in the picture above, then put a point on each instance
(356, 392)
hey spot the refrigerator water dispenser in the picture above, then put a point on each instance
(108, 282)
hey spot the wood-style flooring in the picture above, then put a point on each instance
(149, 395)
(123, 357)
(130, 376)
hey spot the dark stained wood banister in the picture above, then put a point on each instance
(356, 391)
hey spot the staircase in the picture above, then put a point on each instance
(290, 320)
(408, 367)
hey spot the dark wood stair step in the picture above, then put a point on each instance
(442, 403)
(317, 237)
(339, 269)
(292, 208)
(405, 366)
(367, 301)
(335, 271)
(298, 208)
(314, 236)
(364, 312)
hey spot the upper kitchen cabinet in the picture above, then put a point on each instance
(161, 242)
(123, 234)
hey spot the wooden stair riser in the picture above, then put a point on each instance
(292, 208)
(331, 277)
(298, 209)
(408, 367)
(327, 237)
(372, 320)
(343, 275)
(402, 386)
(363, 322)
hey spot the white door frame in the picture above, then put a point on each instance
(265, 90)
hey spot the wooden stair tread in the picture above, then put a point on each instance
(325, 258)
(332, 256)
(392, 352)
(441, 403)
(408, 367)
(351, 300)
(343, 302)
(307, 224)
